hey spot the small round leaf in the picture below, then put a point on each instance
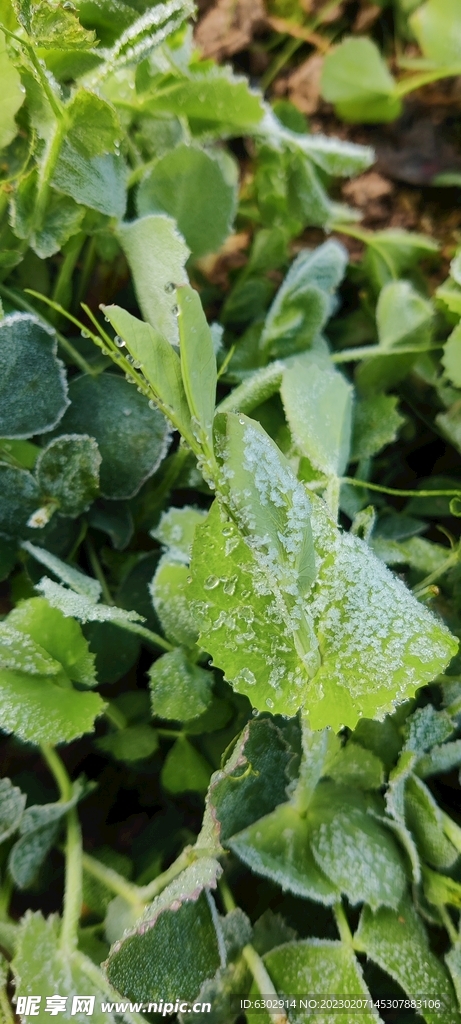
(33, 387)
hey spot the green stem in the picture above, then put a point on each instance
(332, 495)
(6, 1013)
(433, 576)
(113, 881)
(115, 716)
(407, 85)
(6, 892)
(282, 58)
(152, 638)
(53, 100)
(98, 571)
(252, 392)
(46, 172)
(451, 830)
(63, 280)
(73, 853)
(396, 491)
(342, 924)
(349, 355)
(17, 300)
(455, 937)
(87, 269)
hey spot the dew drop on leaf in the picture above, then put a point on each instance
(211, 582)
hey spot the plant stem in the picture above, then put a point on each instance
(455, 938)
(17, 300)
(399, 493)
(63, 280)
(98, 570)
(350, 355)
(113, 881)
(407, 85)
(46, 171)
(152, 638)
(73, 853)
(6, 1013)
(342, 924)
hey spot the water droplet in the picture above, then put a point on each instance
(119, 342)
(84, 334)
(189, 579)
(106, 318)
(152, 404)
(175, 310)
(227, 531)
(211, 582)
(137, 364)
(141, 390)
(129, 378)
(169, 287)
(269, 702)
(230, 585)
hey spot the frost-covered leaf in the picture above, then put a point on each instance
(53, 26)
(135, 743)
(83, 608)
(33, 388)
(403, 317)
(353, 849)
(425, 821)
(356, 79)
(40, 709)
(376, 424)
(98, 182)
(85, 585)
(63, 217)
(61, 638)
(320, 967)
(20, 498)
(180, 690)
(318, 406)
(197, 188)
(337, 157)
(451, 358)
(426, 727)
(38, 831)
(396, 940)
(12, 95)
(132, 438)
(305, 301)
(12, 804)
(185, 769)
(175, 946)
(440, 759)
(214, 99)
(417, 552)
(170, 594)
(41, 967)
(354, 766)
(176, 531)
(67, 473)
(94, 127)
(19, 651)
(453, 962)
(156, 254)
(277, 846)
(147, 31)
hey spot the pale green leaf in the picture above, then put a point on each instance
(20, 498)
(449, 424)
(180, 690)
(85, 585)
(355, 766)
(98, 182)
(176, 531)
(156, 254)
(437, 28)
(453, 962)
(417, 552)
(318, 407)
(198, 364)
(376, 424)
(12, 804)
(12, 95)
(81, 607)
(337, 157)
(424, 819)
(356, 79)
(440, 759)
(135, 743)
(451, 358)
(20, 651)
(61, 638)
(169, 590)
(427, 727)
(213, 100)
(33, 388)
(55, 27)
(94, 127)
(40, 709)
(38, 831)
(197, 188)
(403, 317)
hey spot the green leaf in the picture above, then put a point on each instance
(453, 962)
(185, 769)
(392, 252)
(441, 759)
(169, 590)
(396, 940)
(68, 473)
(33, 388)
(437, 29)
(39, 829)
(403, 317)
(176, 531)
(62, 218)
(52, 26)
(353, 849)
(41, 967)
(425, 821)
(426, 727)
(160, 365)
(12, 806)
(61, 638)
(78, 606)
(132, 438)
(356, 79)
(304, 302)
(451, 358)
(354, 766)
(321, 967)
(449, 423)
(94, 126)
(175, 945)
(318, 406)
(376, 424)
(180, 690)
(85, 585)
(420, 554)
(98, 182)
(197, 188)
(12, 95)
(21, 652)
(135, 743)
(40, 709)
(156, 254)
(337, 157)
(213, 100)
(277, 846)
(20, 498)
(198, 365)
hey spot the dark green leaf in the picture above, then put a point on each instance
(180, 690)
(98, 182)
(185, 769)
(68, 473)
(12, 804)
(33, 388)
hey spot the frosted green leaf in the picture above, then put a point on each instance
(376, 424)
(62, 219)
(437, 29)
(318, 406)
(277, 846)
(41, 967)
(426, 727)
(352, 849)
(356, 79)
(197, 188)
(396, 940)
(319, 750)
(98, 182)
(176, 531)
(441, 759)
(81, 607)
(157, 254)
(12, 804)
(304, 302)
(67, 473)
(55, 27)
(84, 585)
(214, 100)
(19, 651)
(425, 822)
(159, 363)
(20, 498)
(180, 690)
(354, 766)
(33, 387)
(175, 946)
(41, 709)
(403, 317)
(39, 829)
(198, 364)
(94, 127)
(12, 95)
(451, 358)
(417, 552)
(61, 638)
(185, 769)
(337, 157)
(392, 252)
(132, 438)
(170, 594)
(151, 28)
(453, 962)
(318, 966)
(135, 743)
